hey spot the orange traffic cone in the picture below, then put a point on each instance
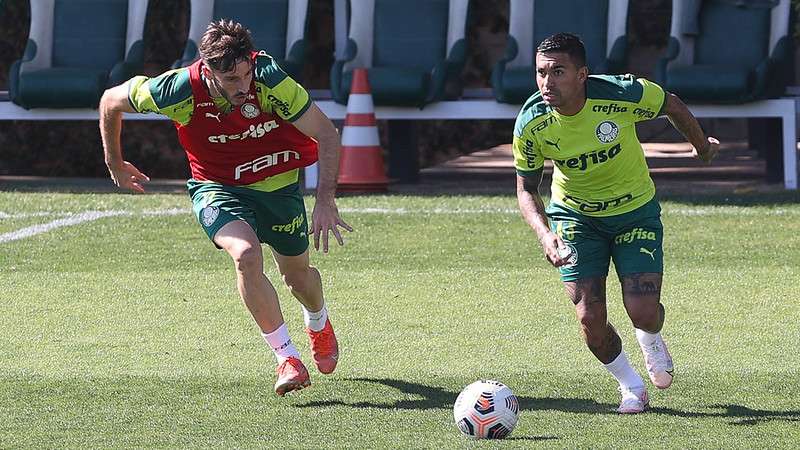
(361, 159)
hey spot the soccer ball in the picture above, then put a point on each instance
(486, 409)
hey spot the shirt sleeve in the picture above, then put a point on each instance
(652, 101)
(169, 94)
(527, 157)
(277, 91)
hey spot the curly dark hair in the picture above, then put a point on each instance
(565, 43)
(224, 44)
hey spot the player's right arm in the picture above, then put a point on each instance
(529, 164)
(533, 211)
(113, 103)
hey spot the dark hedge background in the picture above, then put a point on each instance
(73, 148)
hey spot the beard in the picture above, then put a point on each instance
(235, 100)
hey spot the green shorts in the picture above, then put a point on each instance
(632, 240)
(278, 217)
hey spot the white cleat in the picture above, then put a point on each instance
(633, 401)
(658, 362)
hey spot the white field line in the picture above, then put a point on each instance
(76, 219)
(70, 219)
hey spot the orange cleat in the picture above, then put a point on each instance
(292, 376)
(324, 348)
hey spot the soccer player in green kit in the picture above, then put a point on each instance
(603, 204)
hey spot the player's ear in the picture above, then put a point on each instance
(583, 74)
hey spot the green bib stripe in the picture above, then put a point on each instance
(599, 165)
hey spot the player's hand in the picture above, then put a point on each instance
(550, 244)
(127, 176)
(709, 153)
(325, 219)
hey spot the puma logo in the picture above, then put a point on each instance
(216, 116)
(554, 144)
(648, 252)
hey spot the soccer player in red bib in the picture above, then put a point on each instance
(247, 129)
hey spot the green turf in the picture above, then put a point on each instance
(127, 331)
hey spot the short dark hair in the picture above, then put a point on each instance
(225, 44)
(565, 43)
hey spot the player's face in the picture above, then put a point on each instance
(234, 85)
(559, 79)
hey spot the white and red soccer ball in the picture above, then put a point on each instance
(486, 409)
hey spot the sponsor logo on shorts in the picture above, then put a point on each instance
(606, 131)
(208, 215)
(290, 227)
(636, 234)
(650, 253)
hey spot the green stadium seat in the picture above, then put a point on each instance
(410, 48)
(277, 26)
(601, 24)
(75, 50)
(728, 51)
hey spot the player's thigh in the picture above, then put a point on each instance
(215, 206)
(637, 245)
(282, 222)
(237, 237)
(590, 248)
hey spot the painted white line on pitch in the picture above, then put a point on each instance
(87, 216)
(162, 212)
(69, 221)
(35, 214)
(79, 218)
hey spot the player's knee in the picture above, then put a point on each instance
(593, 325)
(247, 258)
(297, 279)
(647, 317)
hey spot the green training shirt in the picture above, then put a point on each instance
(599, 167)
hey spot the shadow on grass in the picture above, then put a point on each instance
(437, 398)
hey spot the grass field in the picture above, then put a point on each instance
(125, 330)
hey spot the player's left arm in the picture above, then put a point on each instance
(325, 216)
(705, 148)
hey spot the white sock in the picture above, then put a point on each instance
(621, 369)
(646, 339)
(315, 320)
(281, 344)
